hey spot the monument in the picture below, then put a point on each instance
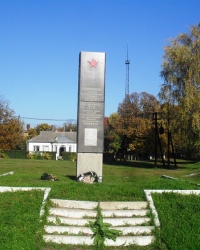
(90, 126)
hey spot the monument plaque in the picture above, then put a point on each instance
(91, 95)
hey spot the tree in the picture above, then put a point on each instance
(67, 127)
(44, 127)
(181, 74)
(112, 139)
(40, 127)
(32, 132)
(11, 128)
(135, 127)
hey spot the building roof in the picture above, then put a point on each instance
(52, 136)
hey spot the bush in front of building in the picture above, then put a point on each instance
(13, 154)
(69, 156)
(41, 155)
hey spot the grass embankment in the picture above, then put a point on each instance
(120, 183)
(20, 224)
(180, 220)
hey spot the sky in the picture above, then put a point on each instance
(40, 42)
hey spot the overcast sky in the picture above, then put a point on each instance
(40, 41)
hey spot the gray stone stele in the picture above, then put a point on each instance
(91, 103)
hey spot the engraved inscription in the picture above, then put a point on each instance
(92, 113)
(92, 94)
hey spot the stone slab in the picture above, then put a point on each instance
(75, 204)
(126, 221)
(69, 221)
(123, 205)
(136, 230)
(69, 240)
(68, 230)
(87, 240)
(130, 240)
(125, 213)
(74, 213)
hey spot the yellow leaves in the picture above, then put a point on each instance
(131, 146)
(11, 134)
(196, 122)
(195, 31)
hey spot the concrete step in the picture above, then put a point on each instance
(135, 230)
(69, 221)
(73, 213)
(123, 205)
(68, 230)
(75, 204)
(87, 240)
(69, 240)
(125, 213)
(81, 230)
(126, 221)
(130, 240)
(80, 213)
(113, 221)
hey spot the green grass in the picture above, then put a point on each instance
(20, 226)
(180, 220)
(121, 182)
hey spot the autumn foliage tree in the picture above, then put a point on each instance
(112, 139)
(181, 88)
(40, 127)
(130, 129)
(11, 128)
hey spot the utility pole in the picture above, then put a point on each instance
(157, 138)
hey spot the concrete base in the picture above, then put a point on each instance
(89, 162)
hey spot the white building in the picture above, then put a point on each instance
(50, 141)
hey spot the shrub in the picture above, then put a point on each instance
(69, 156)
(46, 156)
(14, 154)
(40, 155)
(3, 155)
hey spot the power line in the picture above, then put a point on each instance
(47, 119)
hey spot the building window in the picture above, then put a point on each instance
(45, 148)
(70, 148)
(36, 148)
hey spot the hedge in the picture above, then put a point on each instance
(69, 156)
(23, 154)
(14, 154)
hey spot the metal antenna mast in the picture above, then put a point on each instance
(127, 62)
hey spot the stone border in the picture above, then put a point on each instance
(152, 206)
(7, 174)
(15, 189)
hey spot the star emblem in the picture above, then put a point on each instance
(93, 63)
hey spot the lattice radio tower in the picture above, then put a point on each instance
(127, 63)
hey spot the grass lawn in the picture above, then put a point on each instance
(121, 182)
